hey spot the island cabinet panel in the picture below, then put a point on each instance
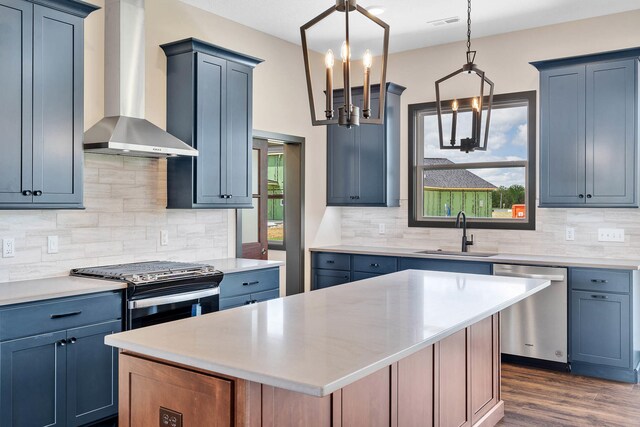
(367, 402)
(452, 407)
(284, 408)
(199, 399)
(484, 366)
(415, 400)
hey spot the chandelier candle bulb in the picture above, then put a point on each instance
(329, 61)
(454, 120)
(475, 115)
(367, 61)
(345, 53)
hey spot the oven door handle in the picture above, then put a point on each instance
(172, 299)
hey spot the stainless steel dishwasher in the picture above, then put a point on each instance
(537, 326)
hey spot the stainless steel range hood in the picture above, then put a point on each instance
(125, 131)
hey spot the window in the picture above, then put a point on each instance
(495, 188)
(275, 191)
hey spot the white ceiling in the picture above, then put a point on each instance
(408, 18)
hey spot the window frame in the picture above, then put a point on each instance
(417, 111)
(277, 245)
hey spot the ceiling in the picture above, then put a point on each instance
(408, 18)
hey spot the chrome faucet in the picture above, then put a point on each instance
(465, 242)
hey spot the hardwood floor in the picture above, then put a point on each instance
(535, 397)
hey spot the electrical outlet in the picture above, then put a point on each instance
(382, 229)
(164, 238)
(52, 245)
(8, 247)
(611, 234)
(570, 233)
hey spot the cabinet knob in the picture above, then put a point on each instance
(27, 193)
(72, 340)
(375, 265)
(62, 343)
(589, 196)
(598, 281)
(581, 196)
(599, 296)
(37, 193)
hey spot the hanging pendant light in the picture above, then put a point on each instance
(475, 141)
(348, 114)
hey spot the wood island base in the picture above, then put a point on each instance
(452, 383)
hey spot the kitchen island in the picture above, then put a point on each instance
(413, 348)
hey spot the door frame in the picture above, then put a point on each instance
(293, 227)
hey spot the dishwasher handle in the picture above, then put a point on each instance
(551, 277)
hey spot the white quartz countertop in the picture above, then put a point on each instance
(321, 341)
(238, 265)
(550, 260)
(53, 287)
(58, 287)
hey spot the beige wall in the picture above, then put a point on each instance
(505, 58)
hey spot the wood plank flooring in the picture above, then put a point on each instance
(535, 397)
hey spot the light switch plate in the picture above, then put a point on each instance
(382, 229)
(52, 245)
(164, 238)
(611, 234)
(8, 247)
(570, 233)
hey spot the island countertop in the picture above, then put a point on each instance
(317, 342)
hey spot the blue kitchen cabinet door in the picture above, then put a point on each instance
(33, 374)
(328, 278)
(611, 115)
(363, 161)
(562, 136)
(239, 134)
(92, 374)
(471, 267)
(16, 47)
(58, 117)
(600, 328)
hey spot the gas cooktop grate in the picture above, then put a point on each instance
(127, 271)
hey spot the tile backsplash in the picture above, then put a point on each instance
(125, 200)
(360, 226)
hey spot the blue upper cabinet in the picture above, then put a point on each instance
(41, 107)
(363, 163)
(589, 130)
(209, 106)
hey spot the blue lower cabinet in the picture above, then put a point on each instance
(92, 392)
(33, 381)
(471, 267)
(238, 289)
(358, 275)
(67, 377)
(327, 278)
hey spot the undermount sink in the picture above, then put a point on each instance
(455, 253)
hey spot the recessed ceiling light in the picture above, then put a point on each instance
(375, 10)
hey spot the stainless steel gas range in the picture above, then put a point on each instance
(162, 291)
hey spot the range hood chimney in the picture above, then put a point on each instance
(124, 131)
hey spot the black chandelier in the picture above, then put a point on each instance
(475, 142)
(348, 114)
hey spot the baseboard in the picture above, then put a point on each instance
(535, 363)
(607, 372)
(492, 417)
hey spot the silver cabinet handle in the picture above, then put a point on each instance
(171, 299)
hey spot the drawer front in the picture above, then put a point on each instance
(327, 278)
(332, 261)
(56, 315)
(239, 301)
(358, 275)
(375, 264)
(591, 279)
(236, 284)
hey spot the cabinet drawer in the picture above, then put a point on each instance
(327, 278)
(43, 317)
(332, 261)
(471, 267)
(591, 279)
(232, 302)
(358, 275)
(236, 284)
(375, 264)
